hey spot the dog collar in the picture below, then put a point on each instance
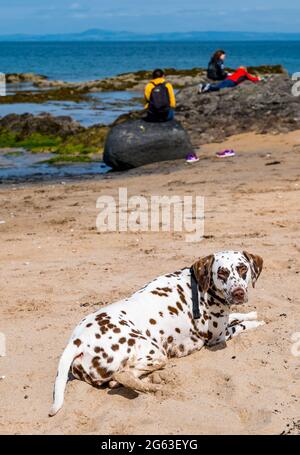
(195, 295)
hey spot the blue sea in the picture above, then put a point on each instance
(85, 61)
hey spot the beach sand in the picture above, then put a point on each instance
(55, 268)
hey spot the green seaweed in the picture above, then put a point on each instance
(60, 94)
(62, 159)
(7, 139)
(14, 153)
(37, 142)
(33, 142)
(88, 141)
(267, 69)
(147, 74)
(78, 149)
(86, 146)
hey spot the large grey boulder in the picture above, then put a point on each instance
(136, 142)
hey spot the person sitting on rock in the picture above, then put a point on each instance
(160, 98)
(216, 68)
(235, 79)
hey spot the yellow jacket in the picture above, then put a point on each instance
(150, 87)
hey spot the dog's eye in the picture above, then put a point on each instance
(223, 274)
(242, 271)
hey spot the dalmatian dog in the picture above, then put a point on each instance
(124, 342)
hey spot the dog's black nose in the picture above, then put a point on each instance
(239, 294)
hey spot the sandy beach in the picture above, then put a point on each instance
(56, 268)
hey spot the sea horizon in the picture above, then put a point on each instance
(82, 61)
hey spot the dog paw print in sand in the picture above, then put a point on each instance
(168, 383)
(255, 420)
(122, 429)
(224, 386)
(27, 305)
(84, 423)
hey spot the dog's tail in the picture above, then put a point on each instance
(64, 366)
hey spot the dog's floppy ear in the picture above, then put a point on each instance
(256, 264)
(202, 270)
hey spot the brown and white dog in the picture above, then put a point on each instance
(129, 339)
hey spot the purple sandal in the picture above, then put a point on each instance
(192, 158)
(225, 154)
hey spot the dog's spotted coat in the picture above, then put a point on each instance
(129, 339)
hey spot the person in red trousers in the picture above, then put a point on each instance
(232, 80)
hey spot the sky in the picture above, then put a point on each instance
(68, 16)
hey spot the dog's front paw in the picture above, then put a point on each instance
(261, 323)
(114, 385)
(252, 316)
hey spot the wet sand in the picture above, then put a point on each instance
(56, 268)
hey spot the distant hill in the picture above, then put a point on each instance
(107, 35)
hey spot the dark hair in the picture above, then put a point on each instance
(217, 55)
(157, 73)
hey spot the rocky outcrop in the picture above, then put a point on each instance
(129, 81)
(46, 124)
(136, 143)
(268, 106)
(19, 78)
(53, 90)
(67, 140)
(136, 81)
